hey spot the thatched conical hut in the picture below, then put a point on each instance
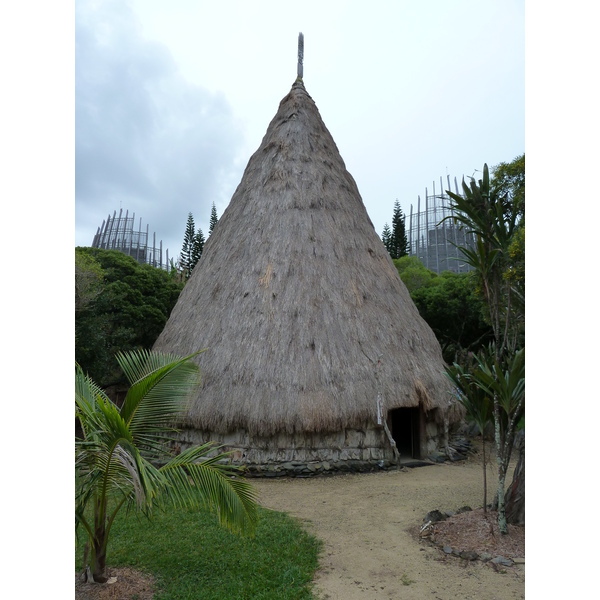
(315, 347)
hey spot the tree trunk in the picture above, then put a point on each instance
(99, 545)
(515, 495)
(502, 525)
(99, 572)
(502, 465)
(484, 475)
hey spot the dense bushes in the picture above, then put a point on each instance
(450, 304)
(120, 305)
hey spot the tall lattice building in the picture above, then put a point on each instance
(117, 233)
(436, 243)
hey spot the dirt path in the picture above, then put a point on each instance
(369, 525)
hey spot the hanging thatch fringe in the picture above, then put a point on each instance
(424, 398)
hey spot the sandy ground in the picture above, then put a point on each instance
(369, 525)
(370, 528)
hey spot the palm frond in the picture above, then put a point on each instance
(160, 387)
(200, 480)
(87, 397)
(475, 400)
(139, 364)
(506, 384)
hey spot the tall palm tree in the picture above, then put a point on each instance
(494, 217)
(483, 212)
(118, 453)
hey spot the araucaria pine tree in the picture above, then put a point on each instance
(187, 249)
(398, 242)
(191, 250)
(213, 219)
(386, 238)
(198, 247)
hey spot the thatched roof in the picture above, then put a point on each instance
(296, 298)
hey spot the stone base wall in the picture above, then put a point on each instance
(434, 439)
(350, 450)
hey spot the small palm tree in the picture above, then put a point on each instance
(504, 383)
(119, 450)
(478, 407)
(491, 387)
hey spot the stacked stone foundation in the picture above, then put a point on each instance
(308, 454)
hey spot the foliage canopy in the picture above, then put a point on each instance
(450, 305)
(128, 309)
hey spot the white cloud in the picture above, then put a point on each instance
(146, 139)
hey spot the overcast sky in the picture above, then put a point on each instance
(172, 98)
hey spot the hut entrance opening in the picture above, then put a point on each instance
(405, 430)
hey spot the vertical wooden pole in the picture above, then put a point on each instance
(410, 233)
(114, 244)
(300, 55)
(446, 250)
(139, 241)
(131, 236)
(436, 232)
(112, 224)
(427, 242)
(419, 249)
(122, 245)
(98, 237)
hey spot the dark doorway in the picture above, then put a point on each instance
(405, 431)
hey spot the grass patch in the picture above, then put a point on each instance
(192, 557)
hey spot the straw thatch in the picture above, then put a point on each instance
(296, 299)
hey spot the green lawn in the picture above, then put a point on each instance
(192, 557)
